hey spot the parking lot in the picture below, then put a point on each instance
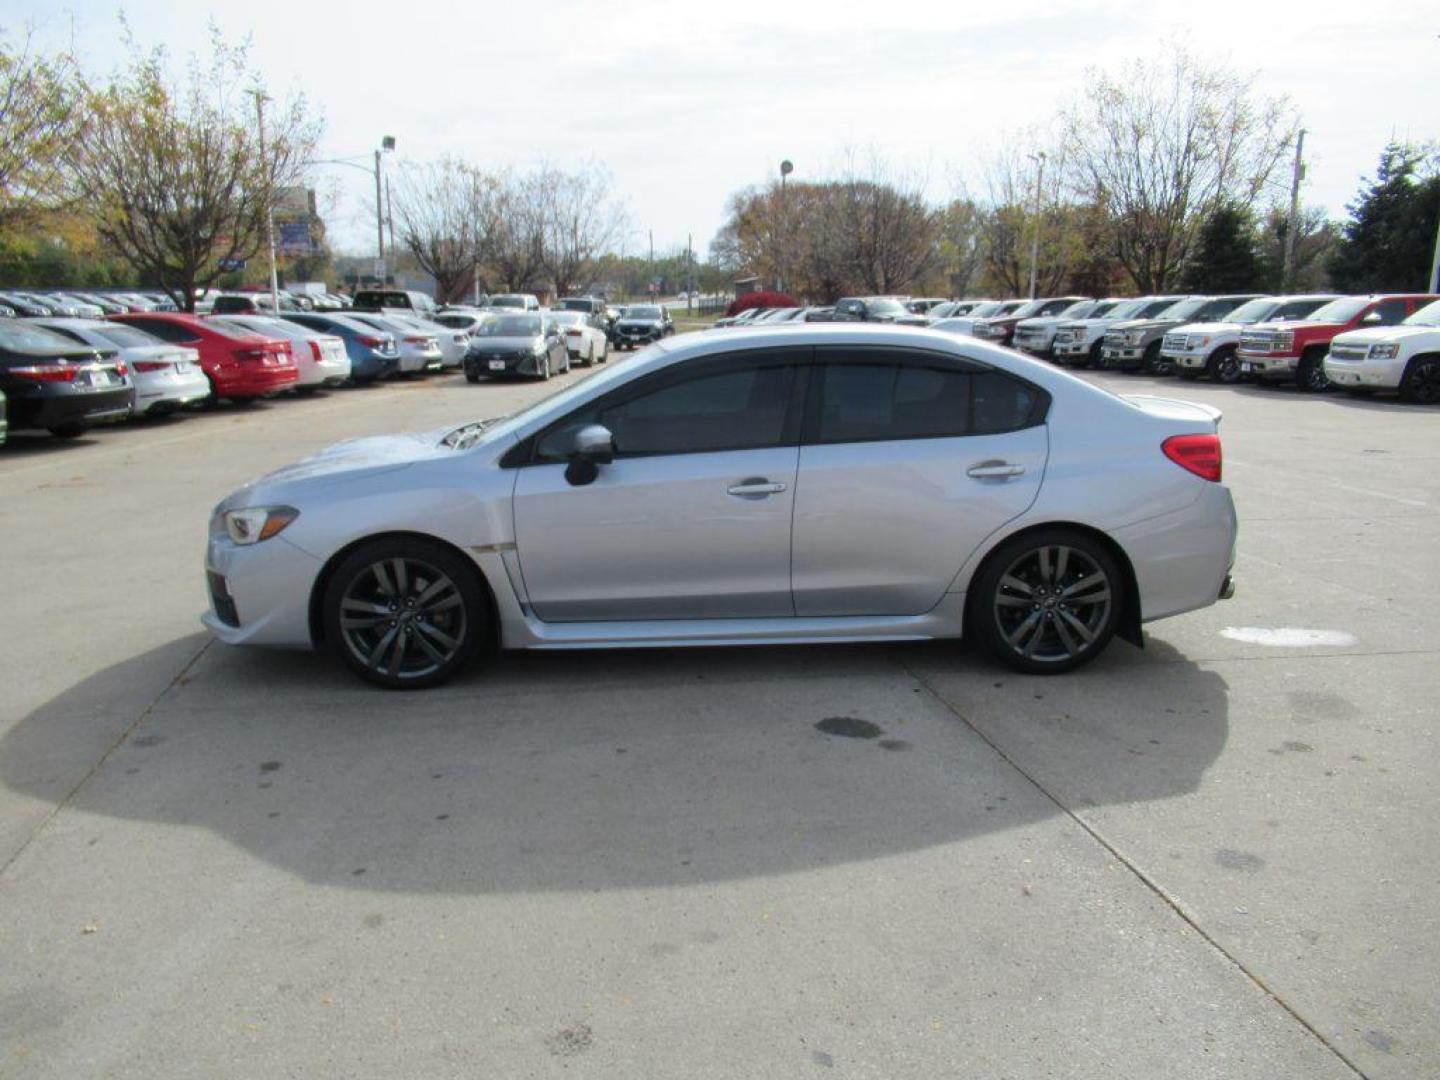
(1216, 857)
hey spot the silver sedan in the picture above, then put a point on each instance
(824, 483)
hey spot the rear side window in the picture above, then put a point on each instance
(166, 331)
(868, 402)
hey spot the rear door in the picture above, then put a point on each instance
(909, 461)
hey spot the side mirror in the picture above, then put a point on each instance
(586, 448)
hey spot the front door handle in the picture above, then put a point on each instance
(995, 470)
(755, 487)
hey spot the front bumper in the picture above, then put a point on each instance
(508, 364)
(1268, 367)
(1374, 374)
(1122, 356)
(637, 335)
(1187, 360)
(259, 594)
(1035, 344)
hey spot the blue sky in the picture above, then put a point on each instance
(685, 103)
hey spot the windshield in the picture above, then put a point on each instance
(576, 305)
(1081, 309)
(1181, 309)
(510, 326)
(887, 307)
(507, 301)
(1429, 315)
(126, 336)
(990, 307)
(642, 311)
(1253, 311)
(1342, 310)
(1103, 308)
(18, 336)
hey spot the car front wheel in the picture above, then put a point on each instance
(1422, 381)
(405, 613)
(1047, 601)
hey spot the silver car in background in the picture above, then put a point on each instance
(419, 350)
(453, 343)
(167, 376)
(821, 483)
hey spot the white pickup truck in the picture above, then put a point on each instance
(1208, 349)
(1077, 342)
(1404, 358)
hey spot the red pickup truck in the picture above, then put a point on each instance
(1294, 351)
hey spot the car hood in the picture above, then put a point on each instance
(1384, 335)
(1212, 327)
(638, 322)
(1044, 322)
(1293, 324)
(1146, 324)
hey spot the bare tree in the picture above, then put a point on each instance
(37, 123)
(581, 219)
(446, 211)
(891, 228)
(173, 175)
(515, 248)
(1162, 142)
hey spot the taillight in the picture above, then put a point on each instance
(417, 340)
(151, 365)
(573, 333)
(48, 372)
(121, 369)
(1199, 454)
(372, 342)
(315, 351)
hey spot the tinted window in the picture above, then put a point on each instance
(731, 410)
(860, 402)
(165, 331)
(1296, 309)
(864, 402)
(125, 336)
(1391, 311)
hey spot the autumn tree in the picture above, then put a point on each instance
(446, 212)
(1161, 142)
(172, 174)
(581, 219)
(38, 122)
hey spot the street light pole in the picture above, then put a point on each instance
(269, 203)
(379, 226)
(786, 168)
(1039, 160)
(1293, 229)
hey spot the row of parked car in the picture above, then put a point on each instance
(1361, 344)
(65, 372)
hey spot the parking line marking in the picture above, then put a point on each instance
(1336, 484)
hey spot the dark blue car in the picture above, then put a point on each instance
(373, 353)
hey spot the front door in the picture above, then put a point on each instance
(692, 518)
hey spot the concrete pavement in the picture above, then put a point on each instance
(1212, 858)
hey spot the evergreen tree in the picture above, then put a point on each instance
(1224, 259)
(1389, 240)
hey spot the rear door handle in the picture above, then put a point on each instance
(755, 487)
(995, 470)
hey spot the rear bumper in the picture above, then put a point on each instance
(63, 406)
(257, 381)
(1182, 560)
(373, 367)
(168, 391)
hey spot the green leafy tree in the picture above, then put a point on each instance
(1389, 240)
(38, 120)
(1224, 256)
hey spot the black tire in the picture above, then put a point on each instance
(1043, 624)
(418, 642)
(1151, 364)
(472, 377)
(1223, 366)
(1421, 383)
(1310, 376)
(545, 368)
(1360, 391)
(1187, 374)
(69, 431)
(589, 360)
(1096, 356)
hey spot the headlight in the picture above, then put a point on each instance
(1282, 341)
(1384, 352)
(1199, 341)
(256, 523)
(1134, 337)
(538, 348)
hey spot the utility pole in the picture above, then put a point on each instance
(650, 289)
(390, 216)
(689, 273)
(269, 203)
(1039, 160)
(1293, 229)
(786, 168)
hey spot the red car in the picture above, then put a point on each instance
(239, 364)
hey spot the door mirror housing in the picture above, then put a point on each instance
(585, 448)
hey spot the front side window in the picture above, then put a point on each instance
(741, 409)
(1391, 312)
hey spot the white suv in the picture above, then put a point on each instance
(1209, 348)
(1404, 358)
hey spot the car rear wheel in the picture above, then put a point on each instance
(406, 613)
(1311, 376)
(590, 356)
(1223, 366)
(1422, 381)
(1047, 601)
(69, 431)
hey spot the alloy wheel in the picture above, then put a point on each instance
(403, 618)
(1422, 383)
(1052, 603)
(1226, 367)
